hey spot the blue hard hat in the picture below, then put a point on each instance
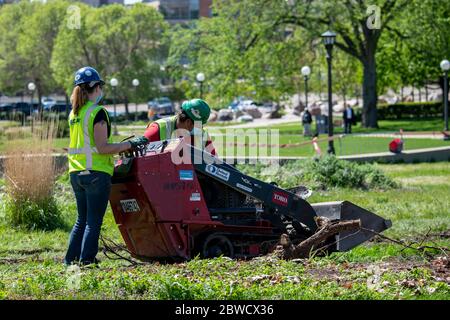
(88, 75)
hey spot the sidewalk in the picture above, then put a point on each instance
(410, 135)
(256, 123)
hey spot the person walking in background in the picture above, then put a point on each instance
(306, 121)
(349, 119)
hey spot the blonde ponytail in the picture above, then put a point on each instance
(78, 98)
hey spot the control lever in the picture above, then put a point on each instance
(132, 153)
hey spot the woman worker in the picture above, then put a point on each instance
(91, 163)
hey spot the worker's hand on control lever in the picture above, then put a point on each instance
(137, 146)
(138, 141)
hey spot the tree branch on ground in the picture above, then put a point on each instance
(326, 230)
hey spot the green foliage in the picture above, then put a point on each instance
(256, 48)
(347, 74)
(407, 110)
(120, 42)
(242, 52)
(41, 214)
(13, 66)
(39, 42)
(412, 49)
(41, 27)
(323, 173)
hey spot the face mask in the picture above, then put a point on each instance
(196, 131)
(99, 98)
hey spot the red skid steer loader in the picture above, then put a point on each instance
(173, 210)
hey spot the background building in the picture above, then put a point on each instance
(180, 10)
(173, 10)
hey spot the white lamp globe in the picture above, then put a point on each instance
(306, 71)
(31, 86)
(114, 82)
(135, 82)
(445, 65)
(200, 77)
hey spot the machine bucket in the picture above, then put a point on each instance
(344, 210)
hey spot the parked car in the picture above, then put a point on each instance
(267, 106)
(47, 103)
(162, 106)
(246, 103)
(25, 107)
(60, 106)
(233, 106)
(6, 107)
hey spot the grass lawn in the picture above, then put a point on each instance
(291, 134)
(347, 145)
(31, 268)
(415, 125)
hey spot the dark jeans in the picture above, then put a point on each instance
(348, 127)
(92, 194)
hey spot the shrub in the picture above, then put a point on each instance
(410, 110)
(30, 179)
(323, 173)
(42, 214)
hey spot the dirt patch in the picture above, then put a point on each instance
(439, 267)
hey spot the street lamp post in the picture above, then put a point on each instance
(306, 71)
(329, 38)
(114, 83)
(445, 66)
(31, 87)
(200, 78)
(135, 83)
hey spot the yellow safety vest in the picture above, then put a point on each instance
(167, 129)
(83, 154)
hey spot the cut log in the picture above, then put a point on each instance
(286, 250)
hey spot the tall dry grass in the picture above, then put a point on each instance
(30, 174)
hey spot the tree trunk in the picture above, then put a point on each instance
(40, 106)
(67, 103)
(370, 97)
(357, 96)
(127, 112)
(320, 85)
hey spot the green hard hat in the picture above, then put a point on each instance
(197, 110)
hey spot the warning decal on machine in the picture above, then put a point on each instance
(218, 172)
(129, 205)
(241, 186)
(280, 198)
(195, 196)
(186, 174)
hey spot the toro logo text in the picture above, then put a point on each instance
(280, 198)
